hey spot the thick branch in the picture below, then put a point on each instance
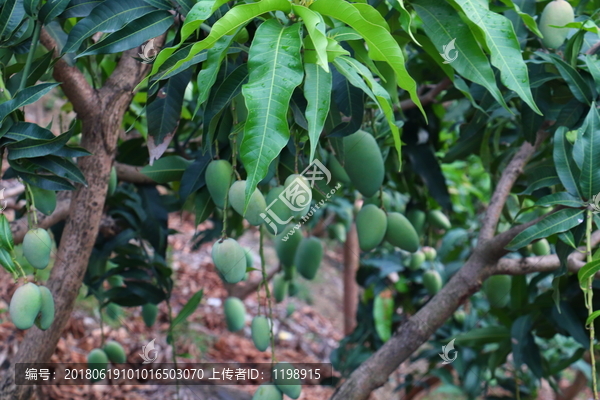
(428, 97)
(132, 174)
(242, 290)
(63, 202)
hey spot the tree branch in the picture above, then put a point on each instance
(427, 98)
(132, 174)
(63, 202)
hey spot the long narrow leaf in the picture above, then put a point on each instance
(317, 91)
(589, 179)
(26, 96)
(567, 169)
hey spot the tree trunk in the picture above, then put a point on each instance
(351, 264)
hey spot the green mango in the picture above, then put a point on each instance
(242, 37)
(430, 253)
(417, 260)
(249, 258)
(460, 316)
(115, 352)
(280, 286)
(37, 246)
(267, 391)
(149, 313)
(298, 187)
(308, 257)
(557, 13)
(293, 288)
(400, 232)
(432, 282)
(291, 387)
(278, 213)
(235, 314)
(371, 224)
(497, 290)
(256, 206)
(261, 332)
(439, 220)
(112, 181)
(229, 259)
(541, 247)
(363, 162)
(417, 219)
(97, 360)
(377, 200)
(337, 231)
(289, 272)
(25, 305)
(338, 173)
(46, 316)
(286, 249)
(218, 179)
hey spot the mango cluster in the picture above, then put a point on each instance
(282, 384)
(32, 304)
(112, 351)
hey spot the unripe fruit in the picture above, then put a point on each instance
(112, 181)
(400, 233)
(46, 317)
(286, 250)
(279, 213)
(115, 280)
(430, 253)
(25, 305)
(115, 352)
(376, 200)
(308, 257)
(218, 179)
(256, 206)
(338, 173)
(417, 219)
(97, 360)
(36, 248)
(460, 316)
(286, 382)
(301, 192)
(432, 282)
(338, 232)
(235, 314)
(497, 290)
(149, 313)
(261, 333)
(290, 308)
(558, 13)
(417, 260)
(280, 286)
(293, 288)
(229, 259)
(439, 220)
(363, 162)
(289, 272)
(267, 391)
(371, 224)
(541, 247)
(249, 257)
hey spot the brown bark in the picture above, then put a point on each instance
(101, 112)
(351, 264)
(242, 290)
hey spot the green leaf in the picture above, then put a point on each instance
(31, 7)
(527, 19)
(166, 169)
(194, 178)
(233, 19)
(26, 96)
(442, 25)
(6, 237)
(383, 311)
(30, 148)
(27, 130)
(587, 272)
(382, 46)
(483, 336)
(6, 261)
(11, 16)
(317, 91)
(559, 221)
(45, 200)
(80, 8)
(109, 16)
(133, 34)
(567, 238)
(505, 51)
(315, 26)
(589, 142)
(199, 13)
(48, 182)
(59, 166)
(275, 67)
(561, 198)
(525, 350)
(566, 168)
(405, 19)
(579, 87)
(52, 9)
(203, 205)
(593, 65)
(592, 317)
(188, 309)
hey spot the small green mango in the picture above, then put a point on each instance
(377, 200)
(541, 247)
(290, 386)
(97, 361)
(112, 181)
(430, 253)
(298, 187)
(149, 313)
(363, 162)
(267, 391)
(249, 258)
(338, 173)
(37, 246)
(371, 224)
(400, 232)
(235, 314)
(557, 13)
(497, 290)
(417, 260)
(417, 219)
(286, 244)
(439, 220)
(460, 316)
(432, 282)
(261, 332)
(218, 179)
(46, 316)
(229, 259)
(308, 257)
(25, 305)
(115, 352)
(338, 232)
(256, 206)
(280, 287)
(293, 288)
(289, 272)
(278, 214)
